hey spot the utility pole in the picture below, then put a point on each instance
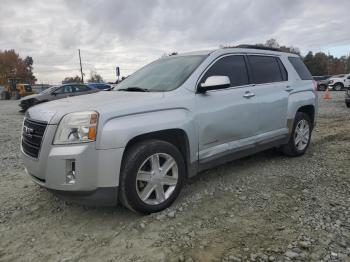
(328, 64)
(81, 68)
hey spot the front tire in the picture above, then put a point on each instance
(152, 176)
(338, 87)
(300, 137)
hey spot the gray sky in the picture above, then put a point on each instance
(134, 32)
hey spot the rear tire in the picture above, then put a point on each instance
(141, 174)
(300, 137)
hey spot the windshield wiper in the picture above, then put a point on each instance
(134, 89)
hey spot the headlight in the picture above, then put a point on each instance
(331, 81)
(80, 127)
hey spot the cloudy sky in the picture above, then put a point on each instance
(131, 33)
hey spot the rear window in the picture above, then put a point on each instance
(300, 67)
(266, 69)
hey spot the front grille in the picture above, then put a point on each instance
(32, 136)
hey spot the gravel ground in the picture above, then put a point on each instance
(266, 207)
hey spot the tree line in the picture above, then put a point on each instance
(13, 66)
(319, 63)
(94, 78)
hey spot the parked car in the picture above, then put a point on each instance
(54, 93)
(100, 86)
(339, 82)
(347, 97)
(171, 119)
(322, 82)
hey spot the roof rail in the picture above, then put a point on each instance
(260, 47)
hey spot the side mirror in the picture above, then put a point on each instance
(214, 82)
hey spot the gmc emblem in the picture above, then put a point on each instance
(28, 131)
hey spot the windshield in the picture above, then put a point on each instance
(49, 90)
(164, 74)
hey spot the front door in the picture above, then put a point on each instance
(226, 118)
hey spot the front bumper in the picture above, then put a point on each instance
(96, 171)
(104, 196)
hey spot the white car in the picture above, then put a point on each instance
(339, 82)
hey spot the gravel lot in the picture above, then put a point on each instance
(266, 207)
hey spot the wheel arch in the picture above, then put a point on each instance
(175, 136)
(309, 110)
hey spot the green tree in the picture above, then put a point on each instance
(70, 79)
(95, 78)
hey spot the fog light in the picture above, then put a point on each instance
(70, 177)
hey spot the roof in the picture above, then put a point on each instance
(240, 49)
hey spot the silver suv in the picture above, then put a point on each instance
(168, 121)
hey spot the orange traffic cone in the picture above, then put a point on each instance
(327, 95)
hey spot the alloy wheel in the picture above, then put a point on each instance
(157, 178)
(302, 135)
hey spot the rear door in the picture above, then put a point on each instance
(272, 89)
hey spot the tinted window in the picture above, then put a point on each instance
(301, 69)
(68, 89)
(265, 69)
(28, 88)
(232, 66)
(82, 88)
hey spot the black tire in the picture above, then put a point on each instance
(338, 87)
(290, 149)
(322, 88)
(133, 160)
(347, 104)
(5, 95)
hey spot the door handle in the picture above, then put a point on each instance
(248, 94)
(289, 89)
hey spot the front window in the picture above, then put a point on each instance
(49, 90)
(162, 75)
(28, 88)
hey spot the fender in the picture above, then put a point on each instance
(117, 132)
(297, 100)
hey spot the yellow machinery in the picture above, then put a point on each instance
(15, 90)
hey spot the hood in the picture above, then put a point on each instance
(113, 102)
(30, 97)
